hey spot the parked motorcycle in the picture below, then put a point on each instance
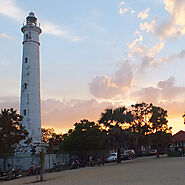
(75, 164)
(34, 170)
(10, 174)
(57, 166)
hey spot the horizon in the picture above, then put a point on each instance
(98, 54)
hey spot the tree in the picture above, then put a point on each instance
(11, 132)
(160, 133)
(53, 139)
(184, 117)
(47, 134)
(158, 120)
(159, 140)
(42, 158)
(139, 125)
(114, 120)
(86, 137)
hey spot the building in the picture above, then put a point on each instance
(178, 140)
(30, 79)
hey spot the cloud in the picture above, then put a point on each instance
(165, 92)
(8, 102)
(148, 26)
(123, 11)
(175, 108)
(110, 88)
(169, 91)
(148, 94)
(103, 87)
(6, 36)
(62, 114)
(133, 44)
(10, 9)
(152, 60)
(177, 9)
(132, 11)
(142, 50)
(122, 2)
(144, 14)
(53, 29)
(123, 77)
(175, 25)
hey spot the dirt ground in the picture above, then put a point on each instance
(140, 171)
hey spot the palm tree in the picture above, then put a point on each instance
(113, 120)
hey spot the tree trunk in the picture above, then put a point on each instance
(158, 152)
(41, 172)
(4, 163)
(118, 155)
(41, 165)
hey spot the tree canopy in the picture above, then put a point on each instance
(11, 131)
(86, 136)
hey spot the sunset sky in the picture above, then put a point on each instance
(96, 54)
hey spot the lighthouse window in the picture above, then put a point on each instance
(26, 60)
(27, 36)
(25, 85)
(24, 112)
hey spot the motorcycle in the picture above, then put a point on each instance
(75, 164)
(10, 174)
(57, 166)
(34, 170)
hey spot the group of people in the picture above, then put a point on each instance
(91, 162)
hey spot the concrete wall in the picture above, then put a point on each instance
(25, 162)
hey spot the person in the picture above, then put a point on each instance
(99, 161)
(32, 169)
(9, 167)
(1, 172)
(91, 160)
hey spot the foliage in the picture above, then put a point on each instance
(158, 120)
(113, 120)
(140, 112)
(86, 136)
(11, 131)
(47, 134)
(54, 140)
(139, 125)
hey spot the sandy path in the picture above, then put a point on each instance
(141, 171)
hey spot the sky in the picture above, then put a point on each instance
(98, 54)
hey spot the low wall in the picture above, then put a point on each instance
(24, 161)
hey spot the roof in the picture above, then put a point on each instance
(178, 137)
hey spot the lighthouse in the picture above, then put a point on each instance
(30, 78)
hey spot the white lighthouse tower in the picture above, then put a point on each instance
(30, 82)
